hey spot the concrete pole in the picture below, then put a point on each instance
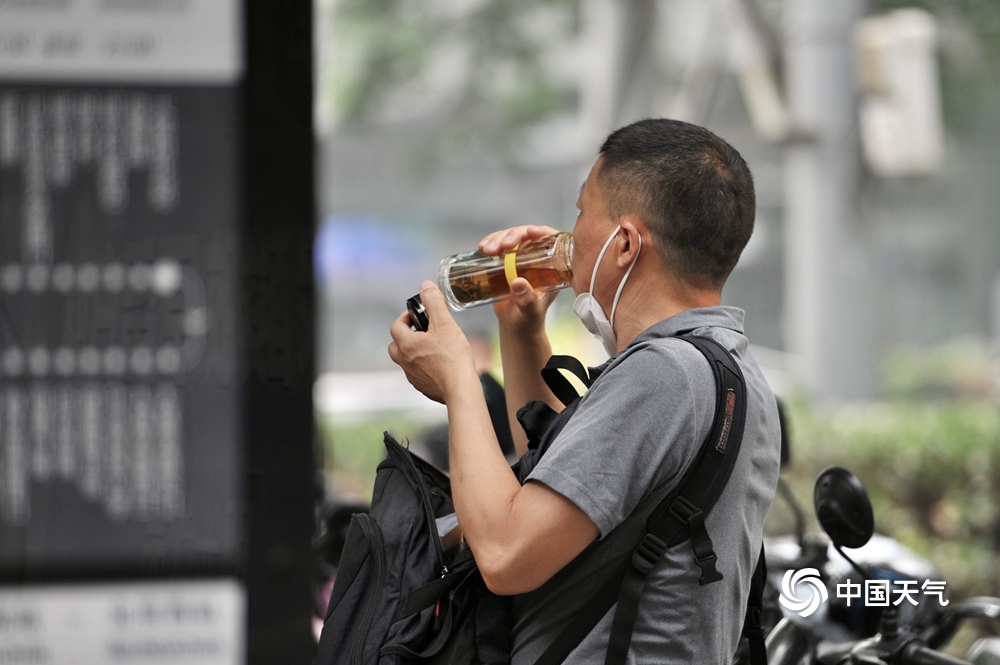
(619, 77)
(826, 308)
(599, 84)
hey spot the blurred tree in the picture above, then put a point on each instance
(488, 65)
(482, 65)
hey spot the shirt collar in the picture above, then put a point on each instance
(692, 319)
(721, 316)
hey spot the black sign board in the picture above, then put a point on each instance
(156, 330)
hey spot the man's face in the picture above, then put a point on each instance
(593, 226)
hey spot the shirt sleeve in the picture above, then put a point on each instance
(639, 426)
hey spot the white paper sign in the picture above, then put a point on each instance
(143, 41)
(190, 622)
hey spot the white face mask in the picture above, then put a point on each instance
(589, 310)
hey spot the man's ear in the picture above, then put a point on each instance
(632, 229)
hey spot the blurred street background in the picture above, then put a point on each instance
(871, 284)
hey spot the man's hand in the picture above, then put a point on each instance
(499, 242)
(434, 360)
(524, 313)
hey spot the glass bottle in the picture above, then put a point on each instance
(472, 278)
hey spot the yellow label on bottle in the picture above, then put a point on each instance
(510, 265)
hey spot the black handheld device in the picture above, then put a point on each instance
(418, 315)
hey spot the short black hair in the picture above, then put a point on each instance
(693, 191)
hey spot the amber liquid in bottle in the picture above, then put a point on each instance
(473, 278)
(492, 284)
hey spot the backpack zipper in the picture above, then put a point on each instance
(425, 499)
(376, 545)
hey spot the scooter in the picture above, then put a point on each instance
(839, 619)
(883, 558)
(805, 637)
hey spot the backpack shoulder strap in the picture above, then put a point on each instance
(536, 417)
(683, 516)
(679, 516)
(559, 384)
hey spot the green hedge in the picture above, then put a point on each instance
(932, 470)
(352, 451)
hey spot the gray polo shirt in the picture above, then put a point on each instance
(635, 433)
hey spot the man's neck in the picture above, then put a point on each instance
(652, 299)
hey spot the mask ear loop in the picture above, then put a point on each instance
(600, 256)
(621, 286)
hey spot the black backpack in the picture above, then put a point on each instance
(399, 599)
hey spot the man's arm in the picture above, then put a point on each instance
(521, 535)
(523, 354)
(524, 344)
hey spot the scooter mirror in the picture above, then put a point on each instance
(843, 507)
